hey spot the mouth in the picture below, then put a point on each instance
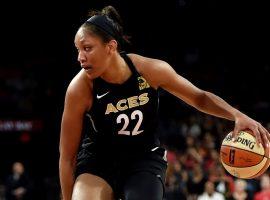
(88, 68)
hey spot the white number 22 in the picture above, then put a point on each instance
(124, 117)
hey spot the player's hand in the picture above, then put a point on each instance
(243, 122)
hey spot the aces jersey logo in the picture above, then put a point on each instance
(142, 83)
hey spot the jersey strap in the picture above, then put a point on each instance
(130, 63)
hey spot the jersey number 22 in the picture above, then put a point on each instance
(136, 114)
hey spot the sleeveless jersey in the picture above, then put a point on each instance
(123, 117)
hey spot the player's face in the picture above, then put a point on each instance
(93, 54)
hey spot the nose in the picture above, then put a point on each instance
(81, 57)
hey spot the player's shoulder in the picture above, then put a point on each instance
(147, 64)
(80, 83)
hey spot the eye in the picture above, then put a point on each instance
(87, 48)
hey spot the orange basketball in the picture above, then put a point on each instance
(244, 158)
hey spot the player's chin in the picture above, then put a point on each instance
(92, 74)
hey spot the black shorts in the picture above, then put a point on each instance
(120, 171)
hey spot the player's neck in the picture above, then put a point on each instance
(118, 71)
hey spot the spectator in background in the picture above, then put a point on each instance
(240, 190)
(196, 182)
(17, 184)
(2, 192)
(264, 193)
(224, 183)
(210, 193)
(176, 179)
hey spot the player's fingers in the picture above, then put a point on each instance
(265, 141)
(257, 135)
(235, 134)
(264, 135)
(267, 133)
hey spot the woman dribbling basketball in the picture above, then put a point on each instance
(116, 95)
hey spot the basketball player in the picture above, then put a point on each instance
(118, 155)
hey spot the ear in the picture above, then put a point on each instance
(112, 46)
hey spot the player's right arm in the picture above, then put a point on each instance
(160, 74)
(77, 102)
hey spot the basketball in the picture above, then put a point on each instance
(243, 158)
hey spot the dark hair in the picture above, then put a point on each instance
(108, 26)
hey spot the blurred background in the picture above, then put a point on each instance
(220, 46)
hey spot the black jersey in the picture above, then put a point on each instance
(124, 116)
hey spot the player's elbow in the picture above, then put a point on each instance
(200, 101)
(66, 159)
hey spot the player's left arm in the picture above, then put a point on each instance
(161, 74)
